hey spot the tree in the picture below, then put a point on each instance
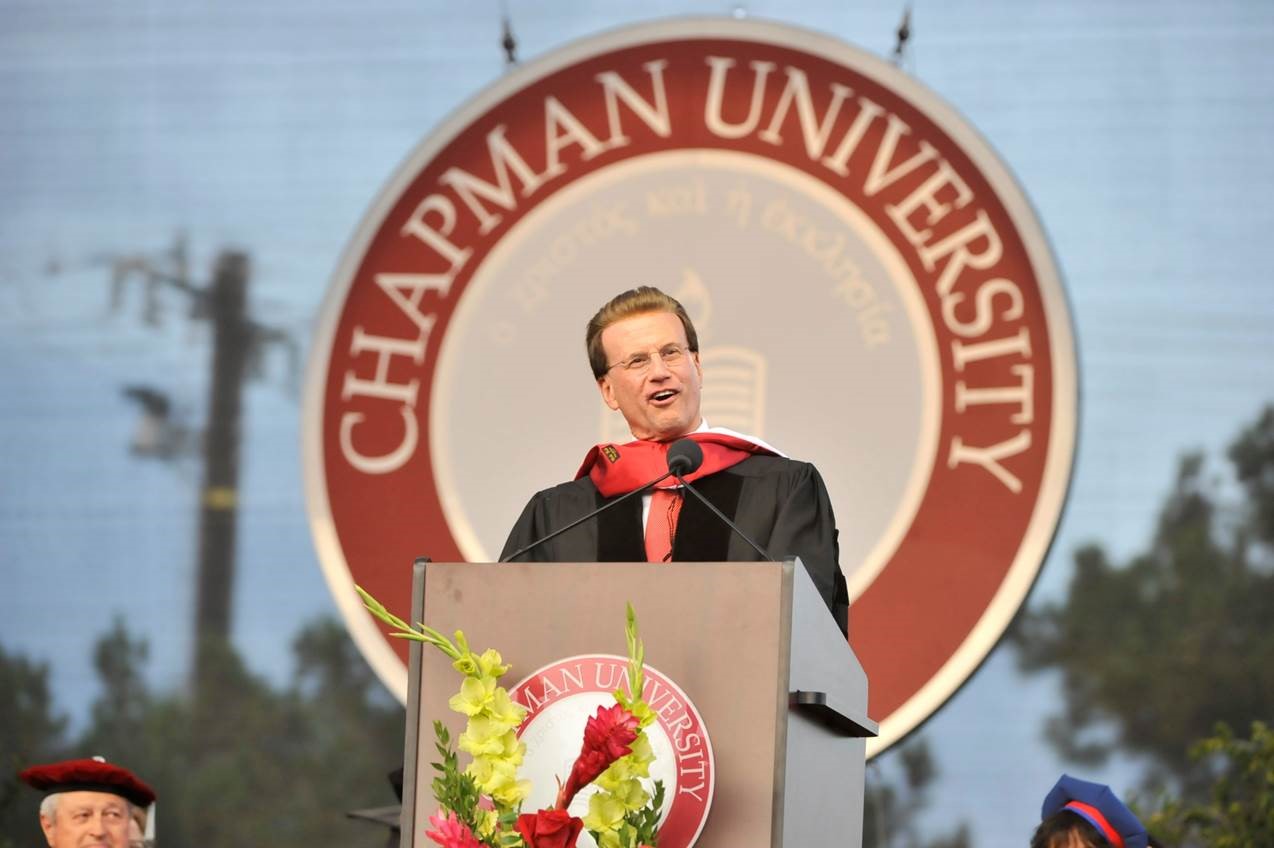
(119, 714)
(1240, 810)
(1253, 457)
(891, 808)
(1157, 651)
(248, 763)
(30, 732)
(354, 726)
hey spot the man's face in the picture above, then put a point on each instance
(136, 839)
(658, 402)
(88, 820)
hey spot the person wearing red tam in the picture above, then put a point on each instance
(88, 803)
(1081, 814)
(644, 354)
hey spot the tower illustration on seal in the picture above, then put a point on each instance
(734, 375)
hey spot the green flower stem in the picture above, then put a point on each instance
(378, 609)
(636, 654)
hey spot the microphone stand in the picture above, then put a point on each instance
(719, 514)
(589, 515)
(684, 457)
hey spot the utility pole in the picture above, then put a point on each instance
(237, 342)
(226, 301)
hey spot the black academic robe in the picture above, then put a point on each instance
(781, 503)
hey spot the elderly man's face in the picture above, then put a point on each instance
(136, 838)
(87, 820)
(660, 401)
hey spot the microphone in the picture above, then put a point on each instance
(684, 457)
(594, 513)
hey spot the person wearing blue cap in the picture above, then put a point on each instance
(1080, 814)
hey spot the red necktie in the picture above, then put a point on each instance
(661, 526)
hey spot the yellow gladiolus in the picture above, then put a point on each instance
(631, 794)
(504, 709)
(641, 755)
(604, 813)
(483, 737)
(474, 696)
(487, 820)
(499, 779)
(645, 715)
(491, 664)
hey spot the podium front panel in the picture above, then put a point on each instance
(720, 631)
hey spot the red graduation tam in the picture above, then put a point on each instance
(91, 775)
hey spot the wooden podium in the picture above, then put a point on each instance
(781, 694)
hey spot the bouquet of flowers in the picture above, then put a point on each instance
(481, 805)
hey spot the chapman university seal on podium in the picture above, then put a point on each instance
(874, 291)
(559, 699)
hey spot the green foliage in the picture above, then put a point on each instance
(1157, 650)
(30, 732)
(1253, 457)
(247, 762)
(891, 806)
(1239, 812)
(641, 826)
(120, 716)
(453, 789)
(457, 792)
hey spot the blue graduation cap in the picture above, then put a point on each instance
(1100, 807)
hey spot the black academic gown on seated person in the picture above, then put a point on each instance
(781, 503)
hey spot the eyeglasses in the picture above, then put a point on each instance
(672, 355)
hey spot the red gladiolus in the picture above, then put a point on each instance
(607, 736)
(451, 832)
(549, 829)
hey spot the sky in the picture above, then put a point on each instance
(1138, 130)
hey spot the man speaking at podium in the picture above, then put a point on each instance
(644, 353)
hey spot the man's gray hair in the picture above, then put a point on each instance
(49, 806)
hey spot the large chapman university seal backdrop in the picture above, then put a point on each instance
(872, 289)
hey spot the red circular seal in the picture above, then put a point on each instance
(561, 696)
(871, 287)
